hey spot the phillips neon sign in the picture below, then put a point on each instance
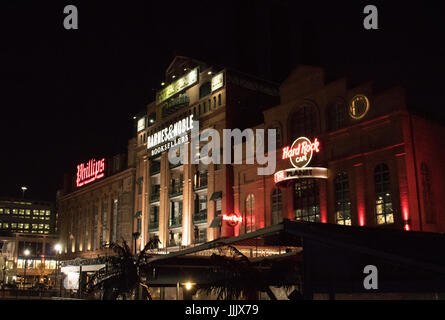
(89, 172)
(232, 219)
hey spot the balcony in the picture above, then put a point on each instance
(154, 197)
(200, 216)
(175, 222)
(201, 182)
(176, 190)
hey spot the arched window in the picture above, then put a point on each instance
(427, 194)
(384, 211)
(337, 115)
(307, 201)
(250, 213)
(276, 201)
(219, 99)
(214, 102)
(342, 203)
(303, 122)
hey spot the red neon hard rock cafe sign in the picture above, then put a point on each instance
(90, 172)
(232, 219)
(300, 155)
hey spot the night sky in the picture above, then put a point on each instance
(70, 95)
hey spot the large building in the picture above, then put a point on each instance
(345, 155)
(96, 207)
(28, 233)
(178, 203)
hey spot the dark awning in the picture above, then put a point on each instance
(216, 195)
(216, 222)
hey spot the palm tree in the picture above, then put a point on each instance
(122, 275)
(236, 276)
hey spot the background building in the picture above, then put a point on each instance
(28, 232)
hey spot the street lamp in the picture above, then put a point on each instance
(23, 190)
(26, 253)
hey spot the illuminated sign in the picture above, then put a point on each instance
(141, 124)
(301, 151)
(177, 86)
(90, 172)
(358, 107)
(300, 173)
(171, 136)
(217, 81)
(232, 219)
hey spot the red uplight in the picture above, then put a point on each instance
(90, 172)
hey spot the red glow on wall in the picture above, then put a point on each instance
(405, 211)
(90, 172)
(232, 219)
(361, 215)
(407, 227)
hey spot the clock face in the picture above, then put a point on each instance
(358, 107)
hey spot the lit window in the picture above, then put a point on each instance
(48, 213)
(26, 225)
(28, 212)
(5, 225)
(47, 226)
(1, 210)
(22, 211)
(35, 226)
(250, 213)
(7, 211)
(13, 225)
(342, 203)
(307, 201)
(384, 211)
(14, 211)
(35, 212)
(42, 212)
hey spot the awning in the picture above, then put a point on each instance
(138, 214)
(216, 195)
(216, 222)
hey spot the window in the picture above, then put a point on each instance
(337, 115)
(205, 107)
(205, 89)
(277, 202)
(219, 99)
(1, 210)
(303, 122)
(114, 237)
(342, 204)
(21, 212)
(250, 213)
(384, 211)
(427, 194)
(175, 214)
(218, 207)
(153, 222)
(27, 212)
(307, 201)
(214, 102)
(7, 211)
(105, 221)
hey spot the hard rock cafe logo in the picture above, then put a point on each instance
(301, 151)
(358, 107)
(232, 219)
(300, 155)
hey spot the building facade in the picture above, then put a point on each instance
(28, 233)
(383, 161)
(178, 203)
(96, 207)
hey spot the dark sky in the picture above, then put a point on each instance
(67, 96)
